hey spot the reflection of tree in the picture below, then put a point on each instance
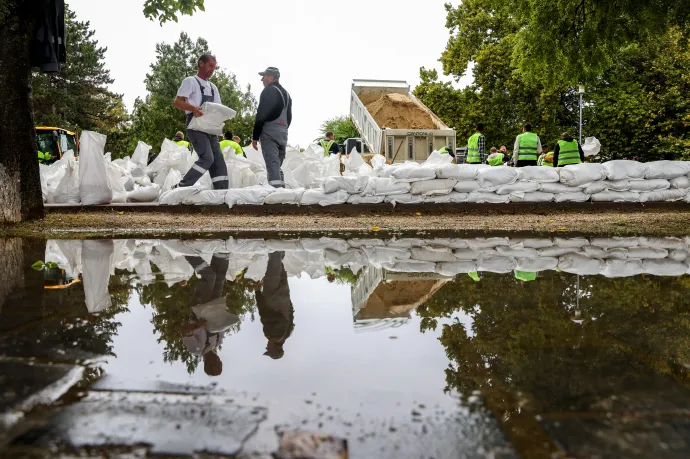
(529, 351)
(346, 276)
(172, 311)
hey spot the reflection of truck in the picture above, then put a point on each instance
(53, 142)
(406, 129)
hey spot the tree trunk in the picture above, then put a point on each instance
(20, 182)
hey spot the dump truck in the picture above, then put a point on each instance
(394, 123)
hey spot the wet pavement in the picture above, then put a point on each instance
(361, 348)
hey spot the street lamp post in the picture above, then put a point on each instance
(581, 92)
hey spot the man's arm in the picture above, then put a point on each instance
(289, 112)
(480, 146)
(582, 153)
(181, 104)
(516, 149)
(538, 146)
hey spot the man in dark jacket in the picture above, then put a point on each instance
(567, 151)
(275, 307)
(273, 118)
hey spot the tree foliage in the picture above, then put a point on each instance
(342, 127)
(78, 98)
(155, 118)
(166, 10)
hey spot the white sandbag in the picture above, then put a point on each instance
(331, 166)
(616, 196)
(680, 182)
(349, 184)
(144, 193)
(433, 254)
(460, 171)
(615, 254)
(648, 253)
(94, 188)
(96, 260)
(175, 197)
(406, 243)
(496, 264)
(358, 199)
(410, 267)
(518, 187)
(455, 268)
(557, 251)
(537, 264)
(253, 195)
(517, 252)
(437, 159)
(285, 196)
(451, 198)
(67, 190)
(359, 243)
(378, 161)
(581, 174)
(173, 178)
(668, 243)
(532, 243)
(205, 198)
(538, 174)
(594, 252)
(406, 198)
(649, 185)
(557, 188)
(450, 243)
(497, 176)
(51, 177)
(412, 172)
(467, 254)
(679, 255)
(172, 156)
(536, 196)
(381, 255)
(623, 169)
(591, 147)
(213, 119)
(319, 245)
(666, 169)
(576, 196)
(618, 185)
(596, 187)
(579, 264)
(488, 198)
(664, 268)
(377, 186)
(354, 161)
(433, 187)
(576, 242)
(663, 196)
(141, 154)
(318, 196)
(488, 243)
(615, 242)
(622, 268)
(466, 186)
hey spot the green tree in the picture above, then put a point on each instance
(342, 128)
(20, 184)
(155, 118)
(78, 98)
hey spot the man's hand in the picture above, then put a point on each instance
(254, 145)
(197, 112)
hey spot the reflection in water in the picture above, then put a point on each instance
(550, 332)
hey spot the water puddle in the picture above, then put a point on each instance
(490, 347)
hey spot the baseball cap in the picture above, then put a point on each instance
(271, 71)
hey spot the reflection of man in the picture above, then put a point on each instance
(205, 332)
(274, 305)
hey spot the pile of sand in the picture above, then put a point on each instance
(397, 111)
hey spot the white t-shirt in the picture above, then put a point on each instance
(190, 89)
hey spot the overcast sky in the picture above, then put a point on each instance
(318, 45)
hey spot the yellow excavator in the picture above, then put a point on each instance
(53, 142)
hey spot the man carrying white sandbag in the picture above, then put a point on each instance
(273, 118)
(193, 93)
(568, 151)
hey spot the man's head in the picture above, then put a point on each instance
(207, 65)
(331, 278)
(527, 128)
(228, 135)
(236, 139)
(269, 76)
(329, 136)
(480, 127)
(274, 350)
(503, 149)
(179, 136)
(565, 136)
(494, 150)
(545, 150)
(212, 364)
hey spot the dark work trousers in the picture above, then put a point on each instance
(212, 278)
(526, 163)
(273, 301)
(210, 159)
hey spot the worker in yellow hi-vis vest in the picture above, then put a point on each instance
(179, 139)
(527, 148)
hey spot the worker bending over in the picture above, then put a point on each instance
(229, 142)
(329, 145)
(496, 158)
(568, 151)
(193, 92)
(475, 146)
(526, 147)
(273, 118)
(546, 158)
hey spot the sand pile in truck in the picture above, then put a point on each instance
(398, 111)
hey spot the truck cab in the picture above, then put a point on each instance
(53, 142)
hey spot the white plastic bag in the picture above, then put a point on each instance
(144, 193)
(574, 196)
(318, 196)
(663, 196)
(466, 186)
(51, 177)
(539, 174)
(213, 119)
(412, 172)
(616, 196)
(581, 174)
(67, 191)
(680, 182)
(518, 187)
(349, 184)
(436, 187)
(358, 199)
(497, 176)
(452, 198)
(141, 154)
(285, 196)
(557, 188)
(384, 187)
(592, 147)
(460, 171)
(253, 195)
(667, 169)
(175, 197)
(488, 198)
(536, 196)
(96, 259)
(205, 198)
(93, 177)
(596, 187)
(625, 170)
(174, 177)
(405, 198)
